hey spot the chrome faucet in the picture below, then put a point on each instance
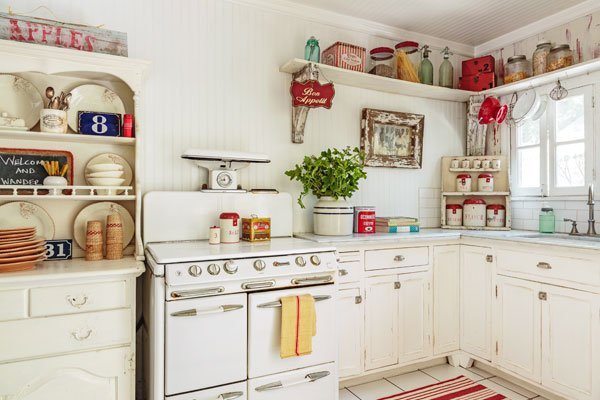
(591, 221)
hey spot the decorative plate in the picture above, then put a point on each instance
(99, 212)
(33, 257)
(19, 266)
(20, 99)
(24, 214)
(4, 247)
(92, 98)
(109, 158)
(23, 251)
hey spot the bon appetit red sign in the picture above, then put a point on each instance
(312, 94)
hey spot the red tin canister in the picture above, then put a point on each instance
(364, 219)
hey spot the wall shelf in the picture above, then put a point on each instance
(81, 193)
(363, 80)
(465, 194)
(473, 170)
(547, 78)
(65, 137)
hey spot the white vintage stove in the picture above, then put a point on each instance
(213, 312)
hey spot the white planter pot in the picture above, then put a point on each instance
(333, 217)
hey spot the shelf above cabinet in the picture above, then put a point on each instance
(363, 80)
(81, 193)
(475, 193)
(65, 137)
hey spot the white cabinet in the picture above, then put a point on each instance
(517, 321)
(446, 299)
(381, 322)
(415, 317)
(397, 319)
(571, 342)
(350, 323)
(476, 271)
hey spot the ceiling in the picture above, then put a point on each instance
(470, 22)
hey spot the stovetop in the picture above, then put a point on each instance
(201, 250)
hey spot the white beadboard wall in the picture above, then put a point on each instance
(214, 83)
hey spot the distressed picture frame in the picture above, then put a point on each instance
(392, 139)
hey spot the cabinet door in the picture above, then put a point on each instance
(570, 342)
(446, 299)
(350, 323)
(381, 322)
(476, 301)
(414, 317)
(99, 375)
(518, 325)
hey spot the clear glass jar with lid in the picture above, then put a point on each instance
(382, 62)
(517, 68)
(559, 57)
(540, 56)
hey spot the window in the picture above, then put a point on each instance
(553, 156)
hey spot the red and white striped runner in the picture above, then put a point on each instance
(459, 388)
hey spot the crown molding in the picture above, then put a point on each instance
(338, 20)
(542, 25)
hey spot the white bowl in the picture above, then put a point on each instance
(104, 167)
(105, 174)
(106, 181)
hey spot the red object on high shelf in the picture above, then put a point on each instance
(479, 65)
(478, 74)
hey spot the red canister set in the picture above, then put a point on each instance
(475, 213)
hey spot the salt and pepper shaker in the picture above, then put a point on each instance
(214, 235)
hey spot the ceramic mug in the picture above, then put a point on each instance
(486, 164)
(53, 121)
(455, 163)
(496, 163)
(466, 163)
(476, 163)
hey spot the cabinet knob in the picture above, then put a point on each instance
(399, 258)
(543, 296)
(544, 265)
(358, 300)
(77, 301)
(397, 285)
(489, 258)
(342, 272)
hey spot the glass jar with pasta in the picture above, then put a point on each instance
(559, 57)
(517, 68)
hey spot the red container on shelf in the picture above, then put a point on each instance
(345, 55)
(364, 219)
(479, 65)
(478, 82)
(128, 125)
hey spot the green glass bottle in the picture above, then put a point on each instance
(312, 52)
(426, 67)
(446, 70)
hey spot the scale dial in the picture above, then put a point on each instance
(224, 179)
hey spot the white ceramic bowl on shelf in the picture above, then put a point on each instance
(105, 174)
(106, 181)
(104, 167)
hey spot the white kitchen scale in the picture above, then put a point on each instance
(223, 167)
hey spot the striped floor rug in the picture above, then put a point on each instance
(459, 388)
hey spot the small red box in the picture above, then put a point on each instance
(477, 83)
(479, 65)
(345, 55)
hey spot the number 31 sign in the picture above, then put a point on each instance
(59, 249)
(101, 124)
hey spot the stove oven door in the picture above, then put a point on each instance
(313, 383)
(205, 342)
(264, 328)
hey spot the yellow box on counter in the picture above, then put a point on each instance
(256, 229)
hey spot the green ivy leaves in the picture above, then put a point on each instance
(333, 173)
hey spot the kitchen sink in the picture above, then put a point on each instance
(560, 237)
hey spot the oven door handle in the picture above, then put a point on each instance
(312, 377)
(194, 312)
(197, 293)
(230, 395)
(312, 280)
(277, 303)
(258, 285)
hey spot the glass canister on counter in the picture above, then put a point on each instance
(559, 57)
(312, 51)
(540, 57)
(517, 68)
(382, 62)
(547, 220)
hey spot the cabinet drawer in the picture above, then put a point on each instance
(40, 336)
(70, 299)
(396, 258)
(577, 270)
(349, 271)
(347, 256)
(13, 304)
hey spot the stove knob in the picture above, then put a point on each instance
(195, 270)
(213, 269)
(300, 261)
(230, 267)
(315, 260)
(259, 265)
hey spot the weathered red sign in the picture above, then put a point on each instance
(312, 94)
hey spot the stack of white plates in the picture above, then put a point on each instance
(106, 174)
(20, 249)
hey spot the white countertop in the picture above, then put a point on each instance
(177, 252)
(530, 237)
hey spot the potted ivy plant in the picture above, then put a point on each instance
(332, 177)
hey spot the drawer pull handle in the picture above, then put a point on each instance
(312, 280)
(193, 312)
(277, 303)
(399, 258)
(342, 272)
(544, 265)
(258, 285)
(230, 395)
(79, 337)
(309, 378)
(77, 302)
